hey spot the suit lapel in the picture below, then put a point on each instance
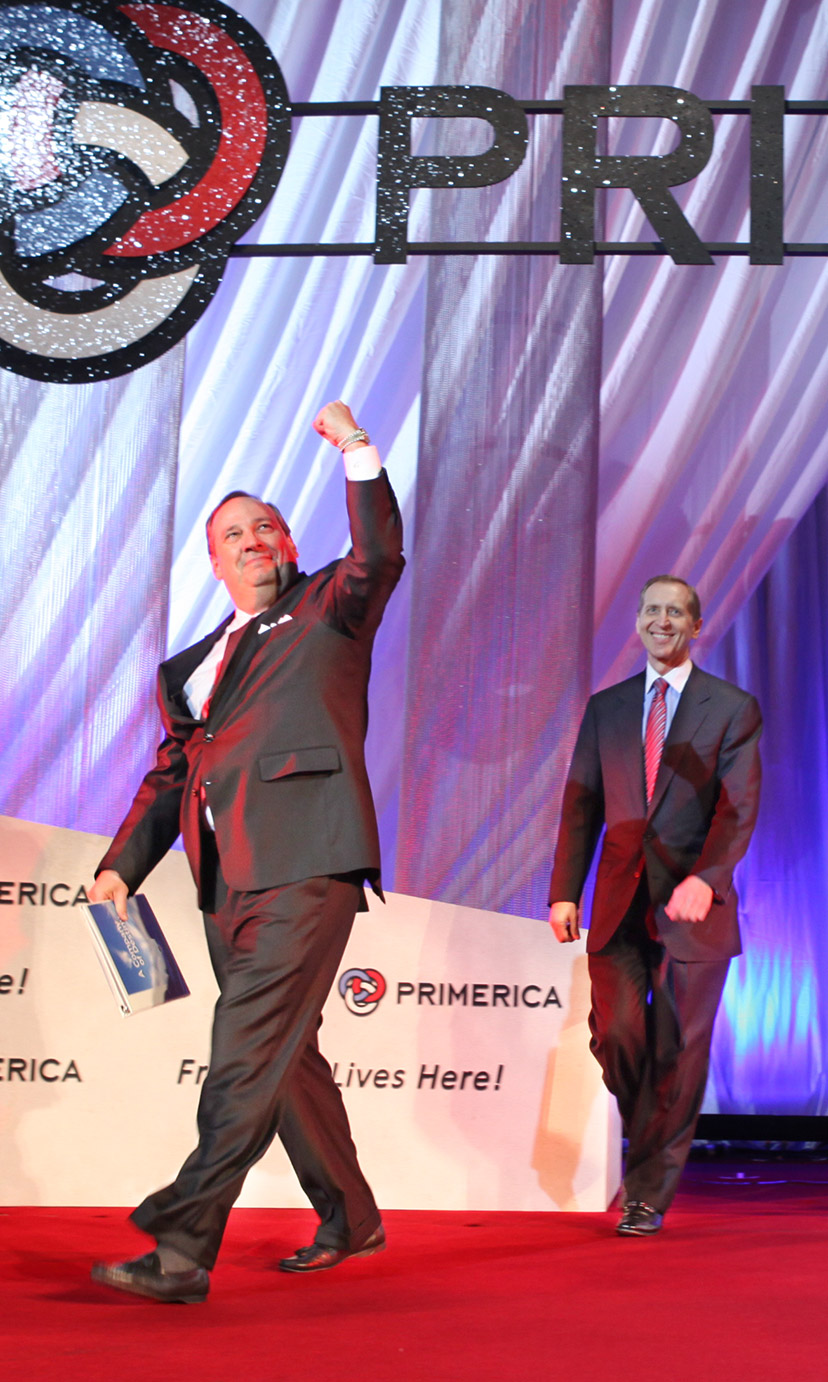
(235, 669)
(177, 670)
(690, 713)
(627, 712)
(255, 635)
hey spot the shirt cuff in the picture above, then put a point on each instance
(362, 462)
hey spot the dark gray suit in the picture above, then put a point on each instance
(656, 983)
(280, 762)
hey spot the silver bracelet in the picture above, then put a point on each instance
(359, 435)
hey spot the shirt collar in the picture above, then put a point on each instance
(240, 618)
(676, 677)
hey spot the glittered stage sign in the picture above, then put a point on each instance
(137, 143)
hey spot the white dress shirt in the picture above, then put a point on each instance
(199, 685)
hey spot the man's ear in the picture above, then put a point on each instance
(215, 566)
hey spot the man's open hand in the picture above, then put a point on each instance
(335, 422)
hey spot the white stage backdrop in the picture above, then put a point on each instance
(467, 1074)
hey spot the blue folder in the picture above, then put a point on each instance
(135, 955)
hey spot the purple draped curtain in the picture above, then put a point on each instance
(769, 1054)
(503, 556)
(711, 457)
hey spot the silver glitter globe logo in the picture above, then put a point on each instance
(137, 143)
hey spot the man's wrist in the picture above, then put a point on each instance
(362, 462)
(358, 437)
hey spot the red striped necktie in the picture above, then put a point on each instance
(654, 735)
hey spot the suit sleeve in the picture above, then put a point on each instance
(582, 815)
(737, 802)
(152, 824)
(364, 580)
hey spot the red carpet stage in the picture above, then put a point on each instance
(734, 1288)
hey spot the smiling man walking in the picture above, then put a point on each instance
(668, 762)
(262, 770)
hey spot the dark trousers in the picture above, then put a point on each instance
(275, 955)
(652, 1023)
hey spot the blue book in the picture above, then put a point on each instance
(135, 955)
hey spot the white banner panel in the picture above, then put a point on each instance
(459, 1039)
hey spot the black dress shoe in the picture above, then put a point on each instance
(142, 1276)
(319, 1258)
(638, 1220)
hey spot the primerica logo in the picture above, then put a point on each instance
(362, 990)
(466, 995)
(137, 143)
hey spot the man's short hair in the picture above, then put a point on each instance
(243, 494)
(694, 603)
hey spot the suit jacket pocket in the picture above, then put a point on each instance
(323, 758)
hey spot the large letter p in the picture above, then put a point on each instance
(398, 170)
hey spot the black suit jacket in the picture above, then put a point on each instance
(699, 821)
(280, 756)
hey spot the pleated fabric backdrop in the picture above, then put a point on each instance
(503, 555)
(87, 487)
(711, 451)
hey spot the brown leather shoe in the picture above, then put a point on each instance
(319, 1258)
(639, 1220)
(142, 1276)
